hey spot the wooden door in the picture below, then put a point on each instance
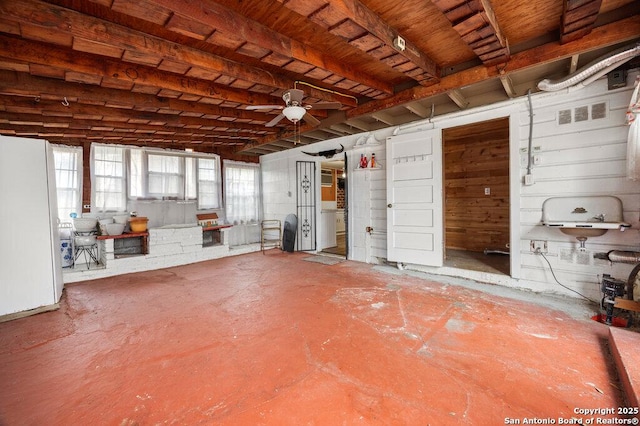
(414, 198)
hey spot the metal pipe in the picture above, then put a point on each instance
(530, 146)
(621, 256)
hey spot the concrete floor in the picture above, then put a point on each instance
(273, 339)
(476, 261)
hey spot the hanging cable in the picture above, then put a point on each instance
(559, 283)
(325, 90)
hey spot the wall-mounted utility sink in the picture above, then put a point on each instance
(584, 217)
(583, 232)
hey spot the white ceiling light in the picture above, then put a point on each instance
(294, 113)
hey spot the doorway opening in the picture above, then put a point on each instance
(334, 207)
(476, 196)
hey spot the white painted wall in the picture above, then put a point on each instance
(581, 158)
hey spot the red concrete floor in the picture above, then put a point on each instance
(271, 339)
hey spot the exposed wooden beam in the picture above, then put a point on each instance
(475, 22)
(51, 121)
(283, 144)
(334, 131)
(48, 133)
(578, 18)
(458, 98)
(359, 124)
(418, 110)
(115, 40)
(315, 136)
(24, 84)
(92, 69)
(367, 19)
(344, 129)
(601, 37)
(384, 117)
(227, 20)
(77, 110)
(573, 66)
(507, 84)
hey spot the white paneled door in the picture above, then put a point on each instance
(414, 198)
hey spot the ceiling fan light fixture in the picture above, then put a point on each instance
(294, 113)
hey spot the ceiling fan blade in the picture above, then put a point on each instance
(275, 120)
(327, 105)
(310, 119)
(256, 107)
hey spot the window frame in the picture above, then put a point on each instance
(123, 180)
(228, 191)
(77, 152)
(189, 185)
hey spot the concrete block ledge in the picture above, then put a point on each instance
(624, 348)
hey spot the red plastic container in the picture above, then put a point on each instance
(615, 321)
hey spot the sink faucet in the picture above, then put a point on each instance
(599, 218)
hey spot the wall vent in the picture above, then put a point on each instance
(576, 257)
(581, 113)
(564, 116)
(583, 257)
(566, 255)
(598, 111)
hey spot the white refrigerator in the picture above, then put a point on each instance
(30, 259)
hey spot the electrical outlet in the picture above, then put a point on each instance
(487, 191)
(86, 206)
(538, 246)
(528, 180)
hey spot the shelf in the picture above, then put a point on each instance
(270, 234)
(215, 227)
(361, 169)
(370, 141)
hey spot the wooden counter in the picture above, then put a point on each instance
(215, 228)
(124, 235)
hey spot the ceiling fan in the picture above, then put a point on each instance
(294, 110)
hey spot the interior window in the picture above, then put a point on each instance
(68, 166)
(165, 176)
(242, 192)
(154, 174)
(108, 183)
(208, 184)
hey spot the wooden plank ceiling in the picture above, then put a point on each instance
(189, 74)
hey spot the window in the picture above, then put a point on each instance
(157, 174)
(68, 165)
(208, 184)
(108, 178)
(242, 192)
(165, 176)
